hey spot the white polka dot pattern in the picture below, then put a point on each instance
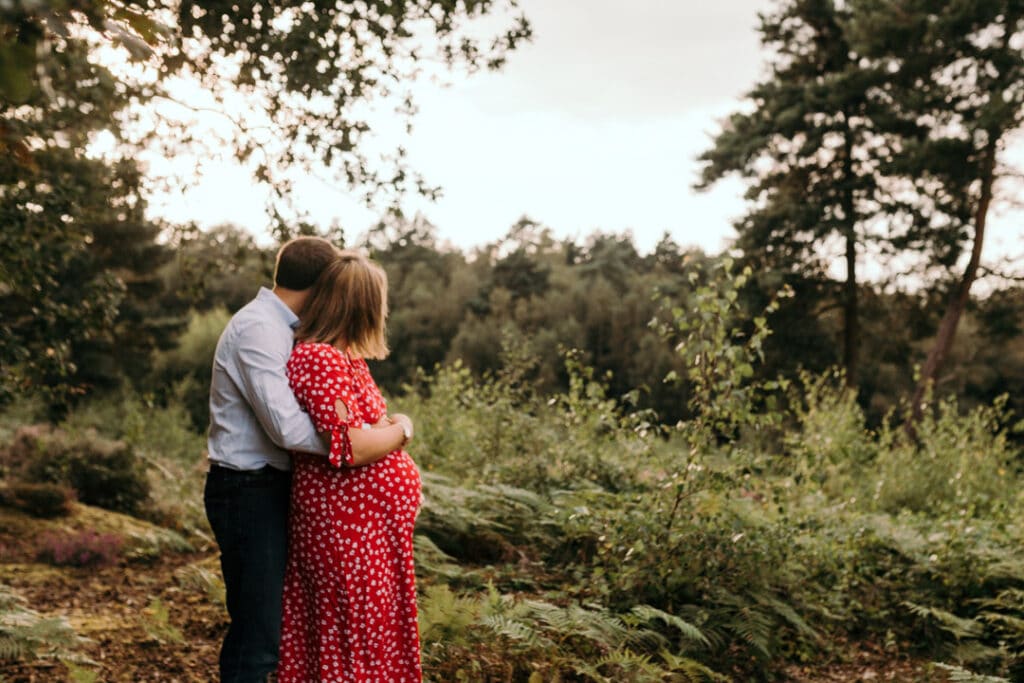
(350, 585)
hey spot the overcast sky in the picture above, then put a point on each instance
(594, 125)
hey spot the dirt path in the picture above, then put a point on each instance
(143, 622)
(155, 620)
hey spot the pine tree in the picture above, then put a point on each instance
(955, 88)
(808, 150)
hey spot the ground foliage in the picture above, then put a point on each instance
(570, 536)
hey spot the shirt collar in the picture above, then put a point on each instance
(286, 314)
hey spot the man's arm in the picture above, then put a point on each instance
(262, 379)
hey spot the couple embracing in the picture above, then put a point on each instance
(310, 495)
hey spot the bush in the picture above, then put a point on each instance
(161, 437)
(102, 472)
(83, 549)
(39, 500)
(186, 368)
(961, 463)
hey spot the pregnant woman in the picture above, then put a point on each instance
(350, 591)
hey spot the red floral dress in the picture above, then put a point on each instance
(350, 588)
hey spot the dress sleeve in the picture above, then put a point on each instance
(320, 376)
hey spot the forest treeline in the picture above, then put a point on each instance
(599, 296)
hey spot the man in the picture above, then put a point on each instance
(254, 422)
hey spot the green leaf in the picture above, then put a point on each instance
(17, 68)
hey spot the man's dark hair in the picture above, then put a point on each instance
(301, 260)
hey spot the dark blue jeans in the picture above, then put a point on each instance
(248, 512)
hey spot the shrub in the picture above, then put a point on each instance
(102, 472)
(39, 500)
(83, 549)
(186, 368)
(961, 464)
(23, 446)
(161, 437)
(833, 446)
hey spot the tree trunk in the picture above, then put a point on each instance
(851, 313)
(851, 321)
(947, 328)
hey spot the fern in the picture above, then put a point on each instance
(24, 633)
(959, 627)
(621, 665)
(688, 630)
(958, 674)
(12, 648)
(444, 616)
(786, 612)
(516, 630)
(157, 624)
(692, 670)
(977, 653)
(755, 627)
(603, 629)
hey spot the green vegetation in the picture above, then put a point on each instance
(24, 633)
(566, 535)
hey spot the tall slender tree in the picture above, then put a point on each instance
(955, 90)
(808, 148)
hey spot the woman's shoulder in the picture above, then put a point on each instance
(317, 353)
(315, 348)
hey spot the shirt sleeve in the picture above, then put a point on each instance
(262, 379)
(321, 376)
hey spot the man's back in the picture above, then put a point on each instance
(254, 417)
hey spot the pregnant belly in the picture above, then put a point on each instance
(392, 483)
(387, 491)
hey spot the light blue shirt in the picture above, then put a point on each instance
(254, 416)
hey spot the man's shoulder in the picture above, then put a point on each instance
(254, 324)
(244, 318)
(252, 313)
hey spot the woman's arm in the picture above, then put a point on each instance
(371, 444)
(323, 382)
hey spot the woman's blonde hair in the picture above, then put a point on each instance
(348, 306)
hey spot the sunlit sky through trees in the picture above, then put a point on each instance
(595, 125)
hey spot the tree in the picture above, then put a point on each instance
(218, 267)
(305, 71)
(955, 97)
(427, 292)
(77, 250)
(308, 70)
(808, 148)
